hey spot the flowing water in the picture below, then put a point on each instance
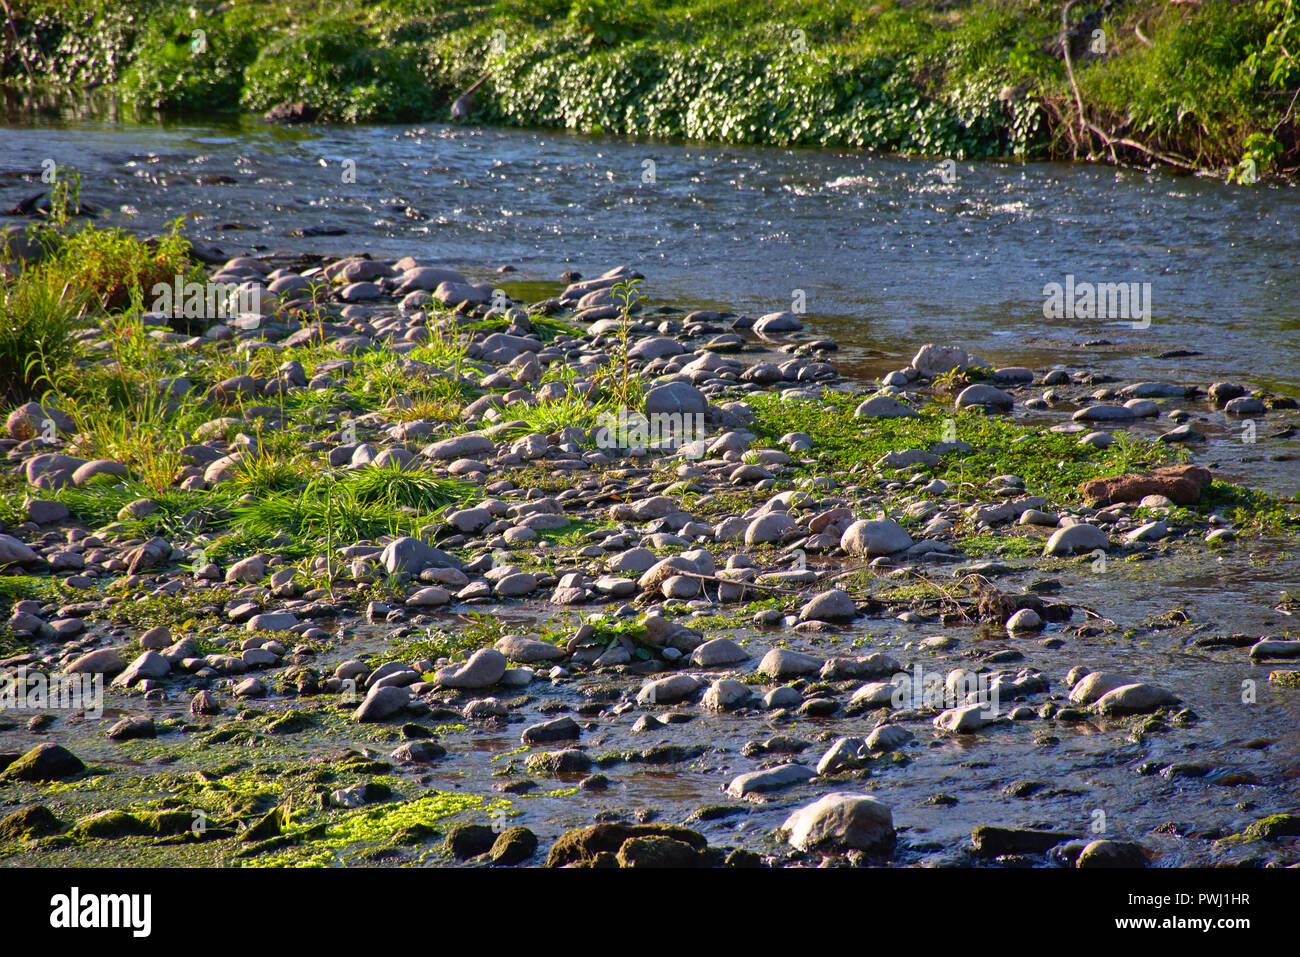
(888, 254)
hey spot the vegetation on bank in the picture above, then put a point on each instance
(1210, 85)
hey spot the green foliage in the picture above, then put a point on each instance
(83, 268)
(116, 270)
(962, 80)
(1194, 90)
(342, 71)
(610, 22)
(472, 632)
(185, 62)
(1277, 61)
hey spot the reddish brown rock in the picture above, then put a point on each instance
(1181, 484)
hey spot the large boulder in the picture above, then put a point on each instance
(985, 397)
(769, 779)
(1181, 484)
(1095, 684)
(776, 322)
(484, 668)
(932, 360)
(842, 821)
(883, 407)
(32, 420)
(1076, 538)
(584, 844)
(14, 552)
(381, 703)
(1113, 854)
(675, 398)
(880, 536)
(668, 690)
(834, 605)
(460, 447)
(45, 762)
(410, 556)
(1134, 699)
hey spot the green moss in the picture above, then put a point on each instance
(1265, 829)
(1008, 546)
(345, 838)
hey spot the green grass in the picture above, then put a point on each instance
(571, 411)
(1051, 464)
(21, 587)
(179, 510)
(546, 327)
(342, 509)
(297, 520)
(471, 632)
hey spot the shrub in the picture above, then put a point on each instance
(183, 62)
(342, 72)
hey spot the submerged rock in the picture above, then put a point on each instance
(771, 779)
(992, 841)
(581, 846)
(1126, 854)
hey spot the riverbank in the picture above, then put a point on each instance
(370, 574)
(1205, 87)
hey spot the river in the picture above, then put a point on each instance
(889, 253)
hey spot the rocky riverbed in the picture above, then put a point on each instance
(402, 590)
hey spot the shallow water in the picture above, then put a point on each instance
(889, 256)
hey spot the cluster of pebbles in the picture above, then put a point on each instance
(649, 564)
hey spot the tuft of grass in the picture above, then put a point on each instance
(404, 488)
(546, 327)
(179, 510)
(571, 411)
(334, 507)
(39, 315)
